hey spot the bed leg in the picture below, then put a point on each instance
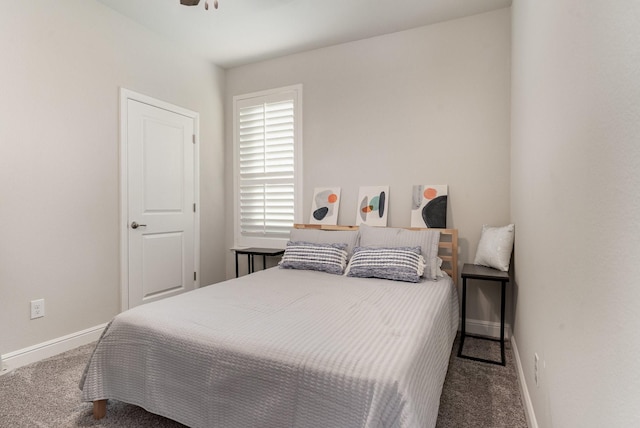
(99, 409)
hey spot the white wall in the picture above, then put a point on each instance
(425, 106)
(575, 201)
(62, 65)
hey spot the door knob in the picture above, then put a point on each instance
(135, 225)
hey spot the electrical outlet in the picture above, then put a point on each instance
(536, 361)
(37, 308)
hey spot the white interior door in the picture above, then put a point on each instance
(161, 184)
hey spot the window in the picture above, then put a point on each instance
(268, 166)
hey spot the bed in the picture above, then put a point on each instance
(286, 348)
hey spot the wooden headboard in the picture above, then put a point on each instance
(447, 249)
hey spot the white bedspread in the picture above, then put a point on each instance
(283, 348)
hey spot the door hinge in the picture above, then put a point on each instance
(194, 138)
(194, 276)
(194, 207)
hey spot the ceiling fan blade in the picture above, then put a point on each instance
(189, 2)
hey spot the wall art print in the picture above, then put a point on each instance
(429, 206)
(325, 205)
(373, 202)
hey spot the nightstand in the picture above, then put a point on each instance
(251, 252)
(487, 274)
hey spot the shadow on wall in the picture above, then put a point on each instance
(513, 303)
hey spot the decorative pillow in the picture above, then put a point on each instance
(393, 237)
(398, 264)
(494, 248)
(439, 271)
(317, 236)
(331, 258)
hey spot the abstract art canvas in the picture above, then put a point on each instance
(429, 206)
(325, 205)
(373, 202)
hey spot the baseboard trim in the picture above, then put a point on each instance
(524, 391)
(486, 328)
(47, 349)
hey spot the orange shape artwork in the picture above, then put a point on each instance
(430, 193)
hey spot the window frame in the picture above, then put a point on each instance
(241, 241)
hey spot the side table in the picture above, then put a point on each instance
(251, 252)
(487, 274)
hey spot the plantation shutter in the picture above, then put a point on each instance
(266, 167)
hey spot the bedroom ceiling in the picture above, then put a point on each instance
(244, 31)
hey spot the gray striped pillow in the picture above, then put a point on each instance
(399, 263)
(394, 237)
(331, 258)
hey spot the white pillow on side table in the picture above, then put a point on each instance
(495, 246)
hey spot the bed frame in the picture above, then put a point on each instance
(447, 251)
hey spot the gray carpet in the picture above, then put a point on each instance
(480, 395)
(46, 395)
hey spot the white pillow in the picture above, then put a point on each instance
(318, 236)
(494, 248)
